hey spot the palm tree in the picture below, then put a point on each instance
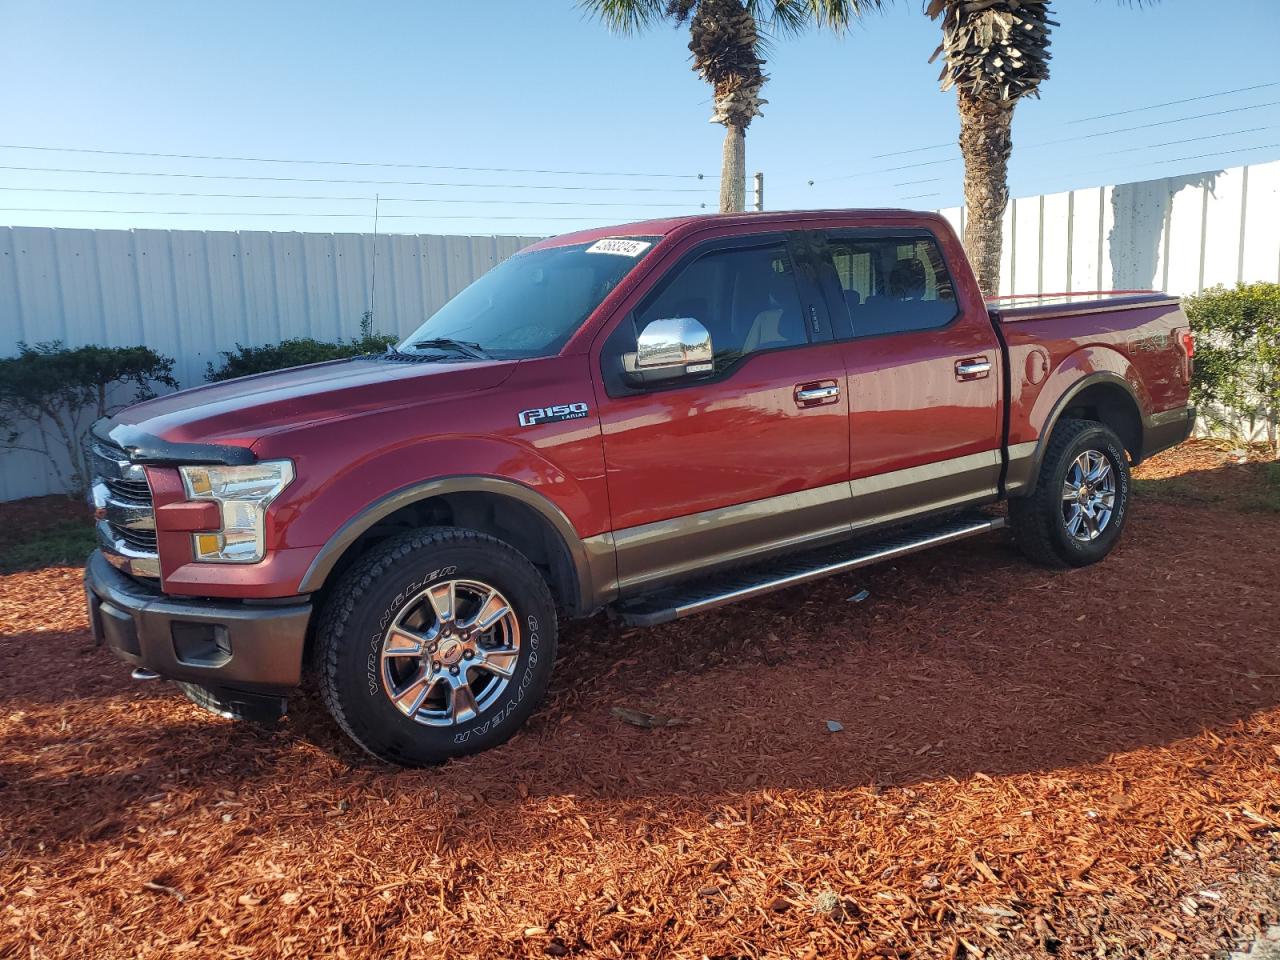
(726, 40)
(995, 53)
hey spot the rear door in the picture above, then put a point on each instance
(751, 459)
(923, 375)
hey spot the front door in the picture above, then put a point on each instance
(752, 458)
(923, 376)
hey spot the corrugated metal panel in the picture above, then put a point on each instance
(190, 294)
(1180, 234)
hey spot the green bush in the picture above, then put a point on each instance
(1238, 353)
(243, 361)
(60, 392)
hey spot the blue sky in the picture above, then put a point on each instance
(534, 84)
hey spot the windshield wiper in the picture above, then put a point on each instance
(464, 347)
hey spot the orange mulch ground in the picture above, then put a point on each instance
(1032, 764)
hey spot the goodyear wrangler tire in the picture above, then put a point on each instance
(438, 644)
(1080, 503)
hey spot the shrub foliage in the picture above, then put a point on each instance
(243, 361)
(60, 391)
(1238, 352)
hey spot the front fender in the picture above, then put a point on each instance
(582, 558)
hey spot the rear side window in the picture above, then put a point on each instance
(893, 284)
(747, 299)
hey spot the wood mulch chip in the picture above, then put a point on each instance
(1022, 763)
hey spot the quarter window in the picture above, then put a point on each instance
(893, 284)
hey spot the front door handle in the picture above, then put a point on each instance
(974, 368)
(812, 394)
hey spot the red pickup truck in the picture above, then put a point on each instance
(657, 418)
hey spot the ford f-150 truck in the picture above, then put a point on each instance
(657, 418)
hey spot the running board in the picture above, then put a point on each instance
(717, 591)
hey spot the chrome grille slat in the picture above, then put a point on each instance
(126, 523)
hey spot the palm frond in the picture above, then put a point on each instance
(626, 16)
(995, 51)
(792, 16)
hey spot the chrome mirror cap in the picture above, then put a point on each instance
(671, 347)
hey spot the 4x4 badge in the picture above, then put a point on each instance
(553, 414)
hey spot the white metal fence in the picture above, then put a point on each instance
(1180, 234)
(190, 294)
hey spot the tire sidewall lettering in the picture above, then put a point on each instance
(532, 642)
(1106, 446)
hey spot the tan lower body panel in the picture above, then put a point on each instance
(929, 488)
(1022, 459)
(656, 554)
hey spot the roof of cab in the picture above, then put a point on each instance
(661, 227)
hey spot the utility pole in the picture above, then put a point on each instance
(373, 282)
(759, 191)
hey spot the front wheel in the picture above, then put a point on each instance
(438, 644)
(1078, 508)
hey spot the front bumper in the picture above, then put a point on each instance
(213, 643)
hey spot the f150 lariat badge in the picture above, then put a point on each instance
(553, 414)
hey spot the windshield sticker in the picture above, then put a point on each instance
(553, 414)
(620, 246)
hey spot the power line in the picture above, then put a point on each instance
(1203, 156)
(869, 173)
(1173, 103)
(1148, 126)
(388, 183)
(1101, 116)
(348, 163)
(1171, 143)
(1051, 143)
(294, 213)
(286, 196)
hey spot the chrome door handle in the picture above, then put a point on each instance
(817, 393)
(977, 367)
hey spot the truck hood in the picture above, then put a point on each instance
(242, 411)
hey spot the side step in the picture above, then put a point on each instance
(718, 590)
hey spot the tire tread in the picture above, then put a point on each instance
(338, 608)
(1032, 518)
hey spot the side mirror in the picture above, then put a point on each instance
(669, 349)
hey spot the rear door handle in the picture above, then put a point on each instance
(812, 394)
(974, 368)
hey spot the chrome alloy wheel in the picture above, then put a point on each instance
(1088, 496)
(450, 652)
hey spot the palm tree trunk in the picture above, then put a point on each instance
(985, 143)
(733, 170)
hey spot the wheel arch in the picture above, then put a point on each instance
(1102, 396)
(509, 511)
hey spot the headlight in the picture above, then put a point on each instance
(243, 495)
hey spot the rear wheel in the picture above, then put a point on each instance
(1077, 511)
(438, 644)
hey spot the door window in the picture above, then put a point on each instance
(893, 284)
(747, 299)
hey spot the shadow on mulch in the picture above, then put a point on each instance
(964, 662)
(1032, 762)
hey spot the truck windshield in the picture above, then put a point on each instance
(530, 304)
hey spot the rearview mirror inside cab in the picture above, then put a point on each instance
(668, 349)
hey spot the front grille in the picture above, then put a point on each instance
(129, 489)
(126, 521)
